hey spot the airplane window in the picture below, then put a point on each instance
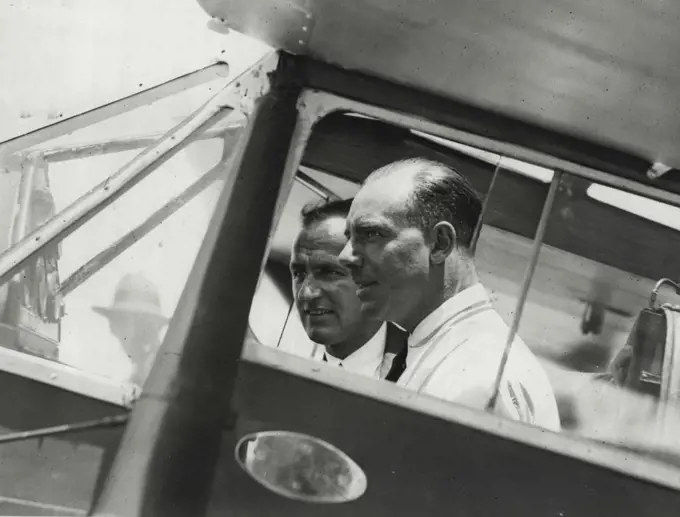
(589, 317)
(101, 300)
(342, 151)
(595, 271)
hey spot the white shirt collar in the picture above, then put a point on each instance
(365, 360)
(447, 310)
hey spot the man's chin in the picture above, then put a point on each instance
(322, 335)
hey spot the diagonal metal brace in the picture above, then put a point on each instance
(109, 421)
(93, 202)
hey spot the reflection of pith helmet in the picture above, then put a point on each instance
(135, 294)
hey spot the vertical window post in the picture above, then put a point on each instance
(528, 276)
(171, 447)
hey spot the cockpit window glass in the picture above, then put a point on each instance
(100, 301)
(601, 254)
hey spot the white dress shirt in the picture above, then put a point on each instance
(455, 353)
(367, 360)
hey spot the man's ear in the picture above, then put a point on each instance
(443, 242)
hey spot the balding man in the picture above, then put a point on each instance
(410, 232)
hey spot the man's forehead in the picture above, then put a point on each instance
(377, 201)
(384, 194)
(326, 237)
(312, 255)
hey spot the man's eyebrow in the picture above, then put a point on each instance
(369, 224)
(365, 224)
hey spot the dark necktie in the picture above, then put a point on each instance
(396, 342)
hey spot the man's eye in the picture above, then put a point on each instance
(333, 273)
(298, 275)
(371, 234)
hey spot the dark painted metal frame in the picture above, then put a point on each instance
(418, 460)
(176, 426)
(474, 120)
(187, 385)
(179, 408)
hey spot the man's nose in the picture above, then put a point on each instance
(308, 290)
(347, 256)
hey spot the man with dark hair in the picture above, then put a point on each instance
(411, 229)
(326, 299)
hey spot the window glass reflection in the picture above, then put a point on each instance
(100, 301)
(588, 314)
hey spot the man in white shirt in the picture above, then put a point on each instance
(327, 303)
(410, 232)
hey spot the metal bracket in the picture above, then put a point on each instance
(253, 84)
(657, 288)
